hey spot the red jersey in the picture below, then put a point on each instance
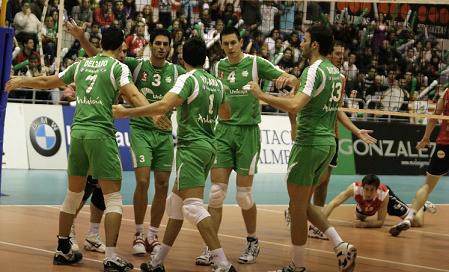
(135, 43)
(369, 207)
(443, 135)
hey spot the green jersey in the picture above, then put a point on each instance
(202, 94)
(98, 81)
(316, 122)
(153, 83)
(245, 108)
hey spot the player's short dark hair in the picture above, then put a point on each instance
(159, 32)
(230, 30)
(324, 37)
(112, 38)
(371, 180)
(194, 52)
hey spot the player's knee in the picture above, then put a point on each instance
(113, 203)
(72, 202)
(97, 199)
(173, 206)
(194, 211)
(161, 188)
(217, 195)
(244, 197)
(142, 184)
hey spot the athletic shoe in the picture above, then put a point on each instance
(147, 267)
(205, 258)
(94, 243)
(315, 233)
(291, 268)
(228, 268)
(251, 251)
(72, 257)
(152, 247)
(346, 255)
(430, 207)
(398, 228)
(117, 264)
(287, 218)
(139, 244)
(75, 246)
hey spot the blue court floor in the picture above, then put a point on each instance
(48, 187)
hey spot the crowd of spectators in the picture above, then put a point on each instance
(383, 59)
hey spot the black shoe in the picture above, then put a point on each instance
(117, 264)
(147, 267)
(72, 257)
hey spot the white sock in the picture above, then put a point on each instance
(94, 228)
(219, 257)
(332, 234)
(161, 255)
(152, 232)
(139, 228)
(410, 215)
(110, 253)
(298, 255)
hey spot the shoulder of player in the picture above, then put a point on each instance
(383, 188)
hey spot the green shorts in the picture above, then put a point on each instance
(94, 151)
(307, 163)
(193, 163)
(238, 147)
(152, 148)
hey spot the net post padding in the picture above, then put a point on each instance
(6, 47)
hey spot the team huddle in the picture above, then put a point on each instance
(154, 87)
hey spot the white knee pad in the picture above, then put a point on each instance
(113, 202)
(72, 202)
(173, 206)
(244, 197)
(193, 210)
(217, 195)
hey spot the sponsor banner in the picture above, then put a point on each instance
(15, 155)
(44, 131)
(346, 163)
(395, 152)
(122, 136)
(276, 144)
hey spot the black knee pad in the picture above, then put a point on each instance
(91, 184)
(97, 199)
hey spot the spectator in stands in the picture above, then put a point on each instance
(287, 11)
(25, 54)
(130, 9)
(229, 17)
(250, 14)
(49, 38)
(83, 13)
(136, 41)
(287, 62)
(37, 7)
(165, 15)
(268, 11)
(12, 8)
(120, 15)
(103, 15)
(271, 40)
(26, 24)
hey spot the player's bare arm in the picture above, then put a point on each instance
(362, 134)
(78, 33)
(168, 102)
(425, 141)
(381, 215)
(224, 111)
(338, 200)
(288, 104)
(42, 82)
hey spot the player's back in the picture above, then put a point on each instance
(203, 94)
(316, 121)
(98, 80)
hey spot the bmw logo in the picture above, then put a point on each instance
(45, 136)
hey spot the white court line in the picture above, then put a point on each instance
(48, 251)
(347, 221)
(286, 245)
